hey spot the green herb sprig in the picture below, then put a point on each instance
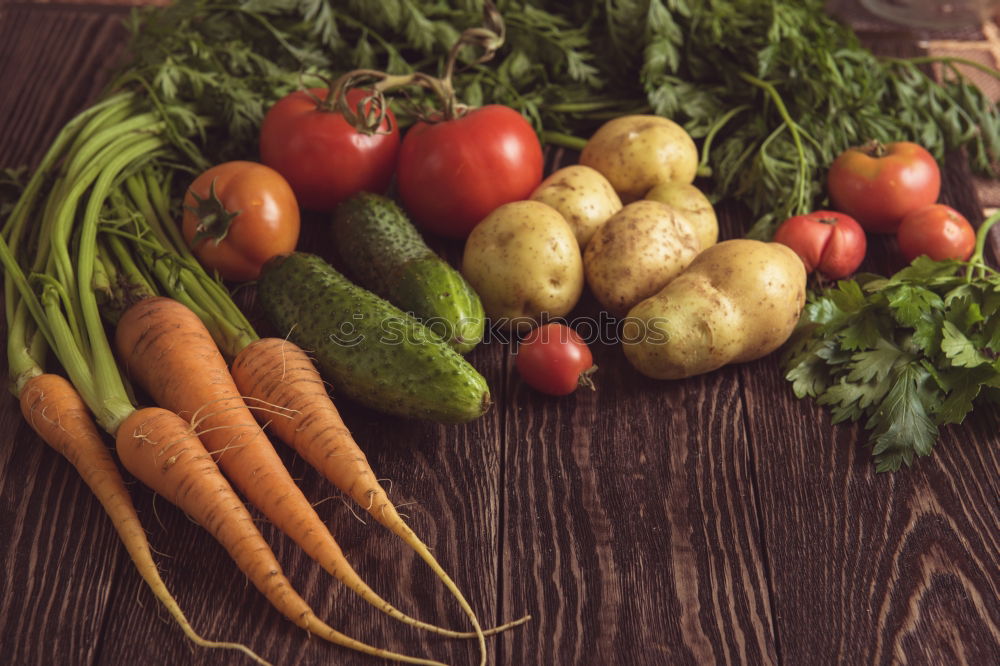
(906, 354)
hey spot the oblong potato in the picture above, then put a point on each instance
(583, 196)
(738, 301)
(639, 151)
(636, 252)
(523, 260)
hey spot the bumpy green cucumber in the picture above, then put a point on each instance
(381, 250)
(366, 347)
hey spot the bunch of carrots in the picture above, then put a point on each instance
(101, 241)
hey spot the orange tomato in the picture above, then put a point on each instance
(237, 215)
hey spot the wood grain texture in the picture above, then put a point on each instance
(53, 531)
(56, 59)
(52, 528)
(633, 524)
(712, 520)
(876, 568)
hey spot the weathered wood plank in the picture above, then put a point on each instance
(630, 522)
(60, 554)
(876, 568)
(52, 62)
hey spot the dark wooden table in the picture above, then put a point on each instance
(716, 519)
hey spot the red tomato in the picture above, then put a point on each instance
(454, 173)
(237, 215)
(324, 158)
(878, 184)
(938, 231)
(555, 360)
(833, 244)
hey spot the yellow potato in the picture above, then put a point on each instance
(636, 252)
(638, 152)
(738, 301)
(695, 206)
(523, 260)
(583, 196)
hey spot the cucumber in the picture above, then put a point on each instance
(368, 349)
(381, 250)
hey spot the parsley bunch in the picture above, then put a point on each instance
(907, 353)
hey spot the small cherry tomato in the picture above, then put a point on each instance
(829, 243)
(877, 184)
(453, 173)
(938, 231)
(555, 360)
(237, 215)
(324, 157)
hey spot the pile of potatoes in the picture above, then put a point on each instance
(629, 222)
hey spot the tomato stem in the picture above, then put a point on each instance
(586, 378)
(370, 112)
(489, 37)
(214, 219)
(875, 148)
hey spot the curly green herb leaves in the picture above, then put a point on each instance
(815, 92)
(776, 89)
(907, 354)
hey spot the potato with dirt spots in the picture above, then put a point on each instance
(583, 196)
(523, 260)
(637, 152)
(637, 252)
(693, 204)
(738, 301)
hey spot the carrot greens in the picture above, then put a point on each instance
(773, 89)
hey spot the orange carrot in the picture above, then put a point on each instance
(58, 414)
(161, 449)
(168, 350)
(280, 378)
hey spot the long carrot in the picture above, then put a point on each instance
(161, 449)
(233, 334)
(51, 404)
(61, 298)
(58, 414)
(280, 378)
(167, 349)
